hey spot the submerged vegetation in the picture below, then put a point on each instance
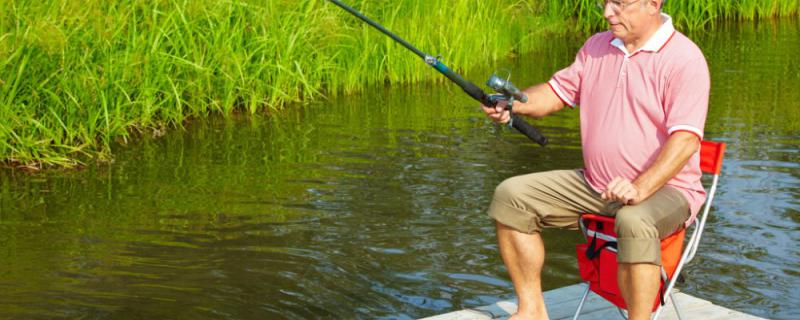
(76, 76)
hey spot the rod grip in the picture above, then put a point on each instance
(517, 122)
(476, 93)
(528, 130)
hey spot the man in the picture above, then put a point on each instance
(643, 90)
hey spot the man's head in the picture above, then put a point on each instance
(631, 20)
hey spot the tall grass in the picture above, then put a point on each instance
(687, 14)
(76, 76)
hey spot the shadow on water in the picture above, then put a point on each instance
(372, 206)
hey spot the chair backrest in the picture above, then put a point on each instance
(711, 153)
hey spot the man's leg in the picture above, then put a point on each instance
(521, 207)
(523, 255)
(640, 229)
(639, 283)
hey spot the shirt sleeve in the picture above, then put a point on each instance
(686, 98)
(566, 83)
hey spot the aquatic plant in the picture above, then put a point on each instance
(78, 76)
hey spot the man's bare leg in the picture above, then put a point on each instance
(523, 255)
(639, 284)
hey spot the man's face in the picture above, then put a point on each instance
(628, 19)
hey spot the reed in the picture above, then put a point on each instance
(690, 15)
(78, 76)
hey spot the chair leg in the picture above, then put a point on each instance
(622, 312)
(664, 278)
(580, 305)
(658, 311)
(675, 305)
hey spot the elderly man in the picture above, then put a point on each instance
(643, 90)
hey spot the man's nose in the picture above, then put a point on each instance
(608, 12)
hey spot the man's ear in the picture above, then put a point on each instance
(654, 7)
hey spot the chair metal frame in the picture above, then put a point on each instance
(711, 157)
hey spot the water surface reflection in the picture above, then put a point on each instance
(373, 205)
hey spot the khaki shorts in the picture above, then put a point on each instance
(556, 199)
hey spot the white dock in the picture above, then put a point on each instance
(562, 302)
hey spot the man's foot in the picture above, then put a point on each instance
(527, 316)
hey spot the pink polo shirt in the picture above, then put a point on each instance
(632, 102)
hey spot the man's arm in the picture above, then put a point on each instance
(541, 102)
(679, 148)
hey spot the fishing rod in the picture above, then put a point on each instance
(506, 91)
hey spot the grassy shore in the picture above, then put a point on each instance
(75, 76)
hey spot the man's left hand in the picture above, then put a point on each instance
(623, 191)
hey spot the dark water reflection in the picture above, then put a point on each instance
(372, 206)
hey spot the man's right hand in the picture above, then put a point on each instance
(498, 113)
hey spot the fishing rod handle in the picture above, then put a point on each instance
(517, 122)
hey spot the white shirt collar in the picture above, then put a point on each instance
(656, 41)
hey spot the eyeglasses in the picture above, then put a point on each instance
(616, 5)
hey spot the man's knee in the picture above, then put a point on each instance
(509, 190)
(530, 202)
(511, 207)
(632, 224)
(637, 238)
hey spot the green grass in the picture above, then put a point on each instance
(76, 76)
(688, 15)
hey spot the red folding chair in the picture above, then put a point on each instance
(597, 257)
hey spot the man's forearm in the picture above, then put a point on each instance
(673, 157)
(541, 102)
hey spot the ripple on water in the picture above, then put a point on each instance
(362, 210)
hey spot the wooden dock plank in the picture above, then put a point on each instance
(562, 303)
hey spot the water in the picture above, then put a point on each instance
(373, 206)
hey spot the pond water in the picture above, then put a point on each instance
(373, 205)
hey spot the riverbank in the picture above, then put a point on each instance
(76, 78)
